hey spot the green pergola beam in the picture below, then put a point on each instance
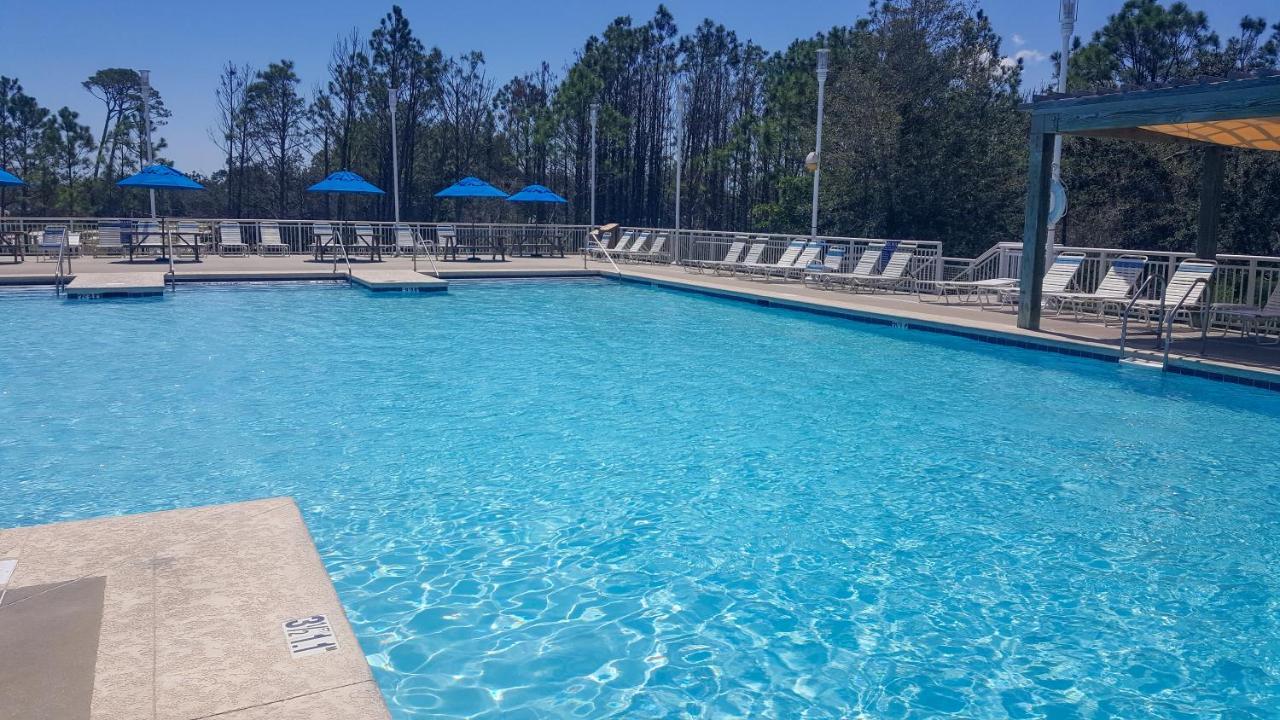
(1225, 100)
(1127, 116)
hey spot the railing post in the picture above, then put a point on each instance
(1250, 283)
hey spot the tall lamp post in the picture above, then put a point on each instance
(595, 116)
(1067, 14)
(395, 154)
(814, 161)
(679, 162)
(144, 80)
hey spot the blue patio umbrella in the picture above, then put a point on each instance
(8, 179)
(542, 195)
(471, 187)
(160, 177)
(345, 181)
(536, 194)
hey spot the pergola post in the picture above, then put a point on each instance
(1035, 229)
(1210, 203)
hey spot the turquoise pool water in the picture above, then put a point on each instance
(584, 499)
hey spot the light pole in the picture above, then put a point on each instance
(395, 155)
(814, 161)
(595, 115)
(679, 162)
(144, 80)
(1067, 14)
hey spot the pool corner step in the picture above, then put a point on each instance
(116, 284)
(396, 280)
(1142, 362)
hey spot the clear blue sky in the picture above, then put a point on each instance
(51, 46)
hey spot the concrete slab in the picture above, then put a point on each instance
(191, 603)
(50, 648)
(383, 280)
(129, 284)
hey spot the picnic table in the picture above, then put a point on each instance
(493, 243)
(537, 242)
(153, 235)
(13, 242)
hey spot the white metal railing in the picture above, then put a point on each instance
(482, 238)
(1239, 279)
(597, 244)
(697, 245)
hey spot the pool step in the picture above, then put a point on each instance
(116, 284)
(1142, 362)
(396, 280)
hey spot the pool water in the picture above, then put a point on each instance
(589, 498)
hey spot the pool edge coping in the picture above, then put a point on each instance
(191, 623)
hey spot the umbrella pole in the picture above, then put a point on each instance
(168, 239)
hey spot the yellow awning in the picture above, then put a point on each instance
(1254, 133)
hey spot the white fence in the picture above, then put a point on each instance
(482, 239)
(1244, 279)
(25, 233)
(688, 245)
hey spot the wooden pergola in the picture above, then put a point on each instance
(1214, 113)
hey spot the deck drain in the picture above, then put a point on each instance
(309, 635)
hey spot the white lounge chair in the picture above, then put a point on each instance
(864, 268)
(407, 241)
(109, 239)
(807, 256)
(1057, 279)
(1251, 318)
(832, 262)
(52, 242)
(269, 240)
(731, 256)
(624, 242)
(1183, 293)
(1116, 285)
(637, 245)
(653, 254)
(750, 260)
(230, 241)
(785, 260)
(970, 289)
(894, 272)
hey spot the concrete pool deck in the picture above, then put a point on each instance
(1230, 358)
(176, 615)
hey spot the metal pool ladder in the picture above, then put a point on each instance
(1164, 327)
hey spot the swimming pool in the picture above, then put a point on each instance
(588, 498)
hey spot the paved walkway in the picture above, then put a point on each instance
(176, 616)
